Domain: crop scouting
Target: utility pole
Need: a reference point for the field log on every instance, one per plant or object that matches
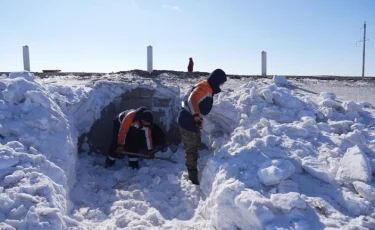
(364, 49)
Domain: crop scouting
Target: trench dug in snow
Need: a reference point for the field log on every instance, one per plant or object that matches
(121, 197)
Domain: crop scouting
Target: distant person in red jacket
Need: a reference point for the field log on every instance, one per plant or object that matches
(191, 65)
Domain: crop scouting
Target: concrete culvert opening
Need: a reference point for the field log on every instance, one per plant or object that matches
(164, 105)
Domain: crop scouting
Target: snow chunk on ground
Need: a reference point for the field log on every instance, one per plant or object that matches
(280, 80)
(317, 169)
(365, 190)
(287, 201)
(354, 166)
(287, 100)
(272, 172)
(7, 158)
(267, 95)
(254, 209)
(351, 106)
(24, 74)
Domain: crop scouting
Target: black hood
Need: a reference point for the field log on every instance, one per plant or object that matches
(216, 78)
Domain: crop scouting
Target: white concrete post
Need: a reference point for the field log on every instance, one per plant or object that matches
(149, 59)
(264, 64)
(26, 58)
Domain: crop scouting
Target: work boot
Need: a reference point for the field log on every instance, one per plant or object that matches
(109, 163)
(193, 176)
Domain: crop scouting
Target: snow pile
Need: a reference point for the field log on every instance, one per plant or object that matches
(278, 159)
(289, 148)
(37, 156)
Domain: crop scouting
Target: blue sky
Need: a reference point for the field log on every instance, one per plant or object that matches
(305, 37)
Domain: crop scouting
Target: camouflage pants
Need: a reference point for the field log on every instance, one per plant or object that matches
(191, 142)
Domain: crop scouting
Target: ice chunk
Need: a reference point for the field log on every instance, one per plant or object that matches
(351, 106)
(7, 159)
(328, 103)
(365, 190)
(356, 138)
(6, 203)
(38, 98)
(16, 176)
(24, 74)
(340, 127)
(173, 179)
(317, 169)
(280, 80)
(254, 208)
(354, 166)
(354, 204)
(272, 172)
(287, 201)
(287, 100)
(267, 95)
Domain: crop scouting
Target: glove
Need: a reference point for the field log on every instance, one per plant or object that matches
(198, 121)
(119, 151)
(151, 154)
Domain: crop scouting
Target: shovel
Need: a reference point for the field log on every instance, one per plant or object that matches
(146, 156)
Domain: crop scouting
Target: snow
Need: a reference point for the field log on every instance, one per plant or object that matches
(280, 80)
(277, 157)
(273, 172)
(354, 166)
(365, 190)
(287, 201)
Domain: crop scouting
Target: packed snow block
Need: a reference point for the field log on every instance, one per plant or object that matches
(254, 208)
(329, 103)
(354, 166)
(15, 92)
(272, 172)
(267, 95)
(7, 158)
(24, 74)
(354, 204)
(317, 169)
(287, 100)
(280, 80)
(351, 106)
(164, 105)
(356, 138)
(365, 190)
(287, 201)
(340, 127)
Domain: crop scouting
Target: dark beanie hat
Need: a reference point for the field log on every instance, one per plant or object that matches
(147, 116)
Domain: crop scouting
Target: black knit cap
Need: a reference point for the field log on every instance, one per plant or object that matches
(147, 116)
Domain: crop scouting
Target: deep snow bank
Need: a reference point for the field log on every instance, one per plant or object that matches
(292, 160)
(37, 155)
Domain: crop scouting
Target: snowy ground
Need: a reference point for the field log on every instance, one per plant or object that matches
(281, 156)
